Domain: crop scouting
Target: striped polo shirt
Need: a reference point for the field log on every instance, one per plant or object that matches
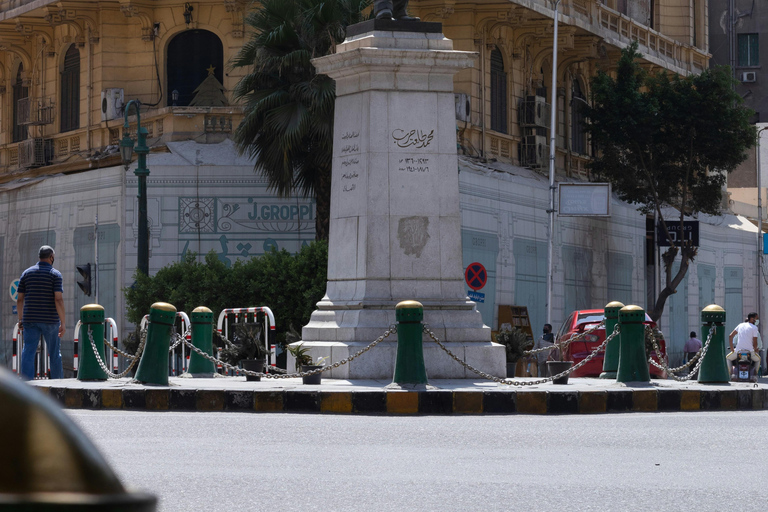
(38, 284)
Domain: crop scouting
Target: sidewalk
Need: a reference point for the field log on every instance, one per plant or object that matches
(579, 396)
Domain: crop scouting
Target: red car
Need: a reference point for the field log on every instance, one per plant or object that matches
(580, 321)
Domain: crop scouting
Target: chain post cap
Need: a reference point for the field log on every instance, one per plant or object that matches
(163, 306)
(201, 309)
(92, 307)
(409, 311)
(713, 313)
(611, 309)
(201, 315)
(631, 314)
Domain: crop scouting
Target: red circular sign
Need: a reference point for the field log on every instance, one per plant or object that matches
(476, 276)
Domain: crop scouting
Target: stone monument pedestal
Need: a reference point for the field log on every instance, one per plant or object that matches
(395, 227)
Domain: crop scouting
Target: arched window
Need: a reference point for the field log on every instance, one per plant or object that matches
(19, 92)
(578, 137)
(190, 55)
(498, 93)
(70, 91)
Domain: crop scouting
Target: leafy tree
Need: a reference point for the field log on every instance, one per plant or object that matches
(667, 140)
(288, 123)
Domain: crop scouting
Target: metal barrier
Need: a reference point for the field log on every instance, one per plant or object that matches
(186, 333)
(269, 327)
(42, 361)
(112, 325)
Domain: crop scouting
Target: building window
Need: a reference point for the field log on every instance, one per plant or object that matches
(748, 50)
(578, 138)
(19, 92)
(70, 91)
(498, 93)
(190, 55)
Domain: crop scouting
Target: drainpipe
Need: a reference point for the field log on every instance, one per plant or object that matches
(482, 113)
(88, 112)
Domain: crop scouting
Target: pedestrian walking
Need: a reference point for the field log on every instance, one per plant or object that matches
(691, 348)
(547, 339)
(40, 307)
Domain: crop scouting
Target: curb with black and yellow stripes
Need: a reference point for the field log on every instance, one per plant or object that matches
(412, 402)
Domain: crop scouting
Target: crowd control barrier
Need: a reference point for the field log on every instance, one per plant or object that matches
(42, 361)
(241, 316)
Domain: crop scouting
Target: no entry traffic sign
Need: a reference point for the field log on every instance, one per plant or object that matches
(476, 276)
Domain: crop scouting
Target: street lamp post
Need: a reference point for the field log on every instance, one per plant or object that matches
(141, 171)
(759, 226)
(551, 210)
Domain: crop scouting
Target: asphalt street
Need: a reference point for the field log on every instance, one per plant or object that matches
(294, 462)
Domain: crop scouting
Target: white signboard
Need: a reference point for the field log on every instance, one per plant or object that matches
(584, 199)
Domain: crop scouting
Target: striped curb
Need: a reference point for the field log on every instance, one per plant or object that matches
(413, 402)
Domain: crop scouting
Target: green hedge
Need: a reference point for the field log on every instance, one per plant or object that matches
(290, 285)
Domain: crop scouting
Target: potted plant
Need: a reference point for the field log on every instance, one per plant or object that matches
(304, 362)
(558, 361)
(515, 342)
(247, 350)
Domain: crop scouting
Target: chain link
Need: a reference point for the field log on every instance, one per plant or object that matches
(699, 354)
(565, 343)
(516, 382)
(392, 329)
(139, 351)
(143, 337)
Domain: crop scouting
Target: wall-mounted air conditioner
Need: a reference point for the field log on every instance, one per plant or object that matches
(534, 111)
(749, 76)
(111, 104)
(535, 151)
(35, 152)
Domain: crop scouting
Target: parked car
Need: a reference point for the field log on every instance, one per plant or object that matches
(583, 320)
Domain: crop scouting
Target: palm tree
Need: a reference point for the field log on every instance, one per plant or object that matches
(288, 124)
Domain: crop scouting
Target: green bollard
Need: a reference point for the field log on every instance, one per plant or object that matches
(409, 366)
(202, 332)
(611, 358)
(153, 367)
(714, 367)
(91, 317)
(633, 362)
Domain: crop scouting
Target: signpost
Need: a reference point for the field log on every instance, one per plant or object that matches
(476, 276)
(15, 290)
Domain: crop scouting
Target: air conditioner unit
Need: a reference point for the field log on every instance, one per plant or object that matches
(111, 104)
(534, 112)
(535, 151)
(35, 152)
(463, 107)
(749, 76)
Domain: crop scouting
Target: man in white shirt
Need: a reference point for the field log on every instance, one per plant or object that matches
(748, 334)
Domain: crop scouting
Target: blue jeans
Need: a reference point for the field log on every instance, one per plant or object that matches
(32, 332)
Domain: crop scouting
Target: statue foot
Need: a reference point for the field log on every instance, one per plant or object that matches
(384, 14)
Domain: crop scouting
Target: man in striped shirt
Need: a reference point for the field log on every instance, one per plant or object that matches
(41, 313)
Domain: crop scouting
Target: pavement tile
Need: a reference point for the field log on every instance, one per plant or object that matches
(182, 399)
(645, 400)
(499, 402)
(268, 401)
(238, 400)
(591, 402)
(690, 400)
(302, 401)
(765, 398)
(745, 399)
(467, 402)
(73, 398)
(209, 400)
(157, 399)
(559, 402)
(619, 401)
(402, 402)
(369, 401)
(669, 399)
(531, 402)
(757, 399)
(134, 399)
(112, 398)
(336, 401)
(435, 402)
(729, 400)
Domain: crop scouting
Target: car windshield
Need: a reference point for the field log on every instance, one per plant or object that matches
(590, 318)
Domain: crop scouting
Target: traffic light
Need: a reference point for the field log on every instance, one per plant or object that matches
(85, 284)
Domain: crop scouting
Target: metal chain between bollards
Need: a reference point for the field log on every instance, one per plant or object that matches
(565, 343)
(232, 344)
(139, 351)
(700, 355)
(143, 336)
(515, 382)
(179, 338)
(392, 329)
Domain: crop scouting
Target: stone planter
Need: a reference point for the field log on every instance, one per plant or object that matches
(253, 365)
(312, 379)
(555, 367)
